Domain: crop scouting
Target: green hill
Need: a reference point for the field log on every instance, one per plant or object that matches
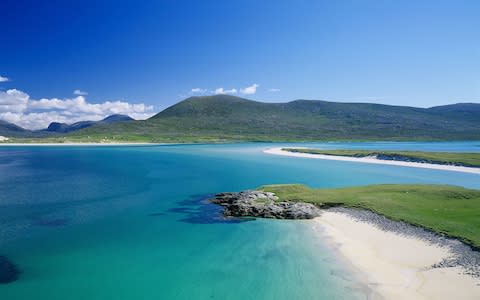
(223, 117)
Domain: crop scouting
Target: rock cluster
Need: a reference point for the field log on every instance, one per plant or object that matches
(252, 203)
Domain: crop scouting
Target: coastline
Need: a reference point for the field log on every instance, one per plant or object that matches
(81, 144)
(371, 160)
(398, 264)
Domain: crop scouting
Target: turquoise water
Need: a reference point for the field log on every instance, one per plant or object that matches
(130, 222)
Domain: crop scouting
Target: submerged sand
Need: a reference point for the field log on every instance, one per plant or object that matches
(396, 266)
(373, 160)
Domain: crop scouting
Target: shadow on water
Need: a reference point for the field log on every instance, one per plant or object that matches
(8, 271)
(198, 210)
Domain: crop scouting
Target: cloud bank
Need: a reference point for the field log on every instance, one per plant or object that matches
(17, 107)
(4, 79)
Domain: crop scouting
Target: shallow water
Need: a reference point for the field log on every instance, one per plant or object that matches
(130, 222)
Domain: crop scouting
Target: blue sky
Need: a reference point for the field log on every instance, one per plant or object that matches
(419, 53)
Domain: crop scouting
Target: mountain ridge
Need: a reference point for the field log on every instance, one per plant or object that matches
(226, 117)
(9, 129)
(65, 128)
(12, 130)
(230, 118)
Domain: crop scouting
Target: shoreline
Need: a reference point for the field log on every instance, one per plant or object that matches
(371, 160)
(397, 260)
(81, 144)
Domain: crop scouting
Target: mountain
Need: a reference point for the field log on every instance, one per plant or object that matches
(65, 128)
(9, 129)
(224, 117)
(116, 118)
(464, 111)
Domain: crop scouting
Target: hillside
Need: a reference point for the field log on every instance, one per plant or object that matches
(229, 118)
(55, 130)
(65, 128)
(8, 129)
(222, 117)
(11, 130)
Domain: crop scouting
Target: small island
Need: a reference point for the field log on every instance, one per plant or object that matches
(448, 210)
(410, 241)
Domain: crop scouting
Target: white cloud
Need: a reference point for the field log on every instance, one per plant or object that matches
(17, 107)
(80, 93)
(13, 100)
(198, 91)
(4, 79)
(274, 90)
(220, 91)
(250, 90)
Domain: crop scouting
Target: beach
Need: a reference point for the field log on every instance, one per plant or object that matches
(395, 265)
(373, 160)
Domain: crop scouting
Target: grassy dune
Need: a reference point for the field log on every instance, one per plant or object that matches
(450, 210)
(449, 158)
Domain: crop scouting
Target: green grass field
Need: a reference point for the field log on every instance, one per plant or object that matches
(450, 210)
(455, 158)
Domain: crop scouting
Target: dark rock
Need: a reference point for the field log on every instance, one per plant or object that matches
(8, 271)
(264, 205)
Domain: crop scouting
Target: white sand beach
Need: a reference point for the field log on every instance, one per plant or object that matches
(373, 160)
(395, 266)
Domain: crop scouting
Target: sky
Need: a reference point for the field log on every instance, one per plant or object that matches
(74, 60)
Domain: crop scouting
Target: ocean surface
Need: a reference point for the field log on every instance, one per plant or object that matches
(131, 222)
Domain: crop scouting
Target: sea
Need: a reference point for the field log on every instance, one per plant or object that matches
(133, 222)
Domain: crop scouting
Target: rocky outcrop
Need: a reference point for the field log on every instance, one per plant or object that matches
(264, 205)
